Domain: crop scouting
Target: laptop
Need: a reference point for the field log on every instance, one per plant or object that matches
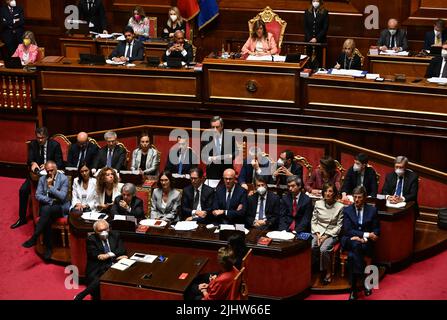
(153, 61)
(13, 63)
(172, 62)
(92, 59)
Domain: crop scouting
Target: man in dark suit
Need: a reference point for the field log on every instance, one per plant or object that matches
(286, 167)
(230, 202)
(111, 155)
(82, 152)
(438, 65)
(93, 12)
(104, 248)
(361, 228)
(130, 50)
(393, 38)
(197, 199)
(13, 22)
(183, 158)
(128, 204)
(40, 151)
(179, 48)
(360, 175)
(401, 185)
(296, 208)
(256, 165)
(437, 36)
(220, 149)
(263, 208)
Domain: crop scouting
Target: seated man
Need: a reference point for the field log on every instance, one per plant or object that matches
(128, 204)
(360, 175)
(401, 185)
(361, 228)
(183, 158)
(130, 50)
(254, 166)
(230, 202)
(83, 151)
(263, 208)
(287, 168)
(197, 199)
(40, 151)
(393, 38)
(111, 155)
(104, 248)
(52, 194)
(179, 48)
(296, 208)
(438, 65)
(435, 37)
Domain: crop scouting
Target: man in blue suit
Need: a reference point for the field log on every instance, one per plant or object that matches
(230, 202)
(256, 165)
(52, 191)
(130, 50)
(361, 228)
(263, 208)
(296, 207)
(437, 36)
(183, 158)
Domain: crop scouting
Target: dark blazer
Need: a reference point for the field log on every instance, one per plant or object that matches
(118, 158)
(316, 27)
(272, 211)
(178, 26)
(434, 68)
(296, 170)
(410, 188)
(191, 163)
(136, 208)
(206, 202)
(369, 181)
(303, 216)
(356, 63)
(89, 158)
(95, 267)
(54, 153)
(12, 32)
(216, 170)
(189, 53)
(233, 215)
(97, 15)
(246, 174)
(430, 39)
(400, 36)
(351, 227)
(137, 51)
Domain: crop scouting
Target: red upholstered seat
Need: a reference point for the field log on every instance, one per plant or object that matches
(145, 195)
(152, 27)
(275, 29)
(65, 144)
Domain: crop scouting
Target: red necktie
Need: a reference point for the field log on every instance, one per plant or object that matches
(294, 211)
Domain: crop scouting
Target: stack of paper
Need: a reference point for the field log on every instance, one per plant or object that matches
(372, 76)
(180, 176)
(437, 80)
(119, 217)
(153, 223)
(396, 205)
(186, 225)
(281, 235)
(141, 257)
(394, 53)
(123, 264)
(212, 182)
(345, 72)
(115, 63)
(94, 216)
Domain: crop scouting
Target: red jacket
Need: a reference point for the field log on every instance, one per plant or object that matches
(220, 288)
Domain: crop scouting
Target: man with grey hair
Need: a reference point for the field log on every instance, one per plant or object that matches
(179, 48)
(128, 203)
(104, 248)
(112, 155)
(393, 38)
(401, 185)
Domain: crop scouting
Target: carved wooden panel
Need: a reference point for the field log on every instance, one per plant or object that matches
(38, 10)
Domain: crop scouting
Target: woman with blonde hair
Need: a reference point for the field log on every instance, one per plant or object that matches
(347, 59)
(27, 51)
(175, 23)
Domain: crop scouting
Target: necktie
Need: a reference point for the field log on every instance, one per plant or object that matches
(228, 200)
(218, 147)
(106, 247)
(444, 71)
(109, 158)
(399, 187)
(261, 209)
(294, 212)
(393, 40)
(438, 40)
(129, 51)
(81, 157)
(42, 154)
(180, 164)
(196, 200)
(359, 217)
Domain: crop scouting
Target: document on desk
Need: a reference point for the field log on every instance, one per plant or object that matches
(437, 80)
(181, 176)
(119, 217)
(115, 63)
(269, 58)
(345, 72)
(186, 226)
(212, 183)
(123, 264)
(372, 76)
(94, 216)
(394, 53)
(396, 205)
(142, 257)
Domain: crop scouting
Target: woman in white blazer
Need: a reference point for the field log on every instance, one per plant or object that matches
(83, 194)
(166, 200)
(107, 189)
(145, 158)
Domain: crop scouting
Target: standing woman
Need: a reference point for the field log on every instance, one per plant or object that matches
(347, 59)
(13, 23)
(166, 199)
(84, 191)
(175, 22)
(145, 158)
(261, 42)
(316, 25)
(139, 23)
(27, 51)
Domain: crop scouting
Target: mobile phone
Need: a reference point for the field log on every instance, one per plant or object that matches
(417, 80)
(139, 255)
(162, 258)
(380, 79)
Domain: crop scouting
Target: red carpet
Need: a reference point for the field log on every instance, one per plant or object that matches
(26, 277)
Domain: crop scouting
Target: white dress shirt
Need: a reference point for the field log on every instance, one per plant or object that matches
(360, 217)
(444, 61)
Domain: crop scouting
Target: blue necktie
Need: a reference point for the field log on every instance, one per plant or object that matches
(180, 165)
(261, 209)
(228, 200)
(359, 217)
(106, 247)
(399, 187)
(109, 158)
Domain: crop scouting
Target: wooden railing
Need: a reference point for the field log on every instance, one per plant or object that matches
(16, 89)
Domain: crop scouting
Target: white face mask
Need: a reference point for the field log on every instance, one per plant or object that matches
(280, 162)
(315, 4)
(400, 172)
(104, 235)
(262, 190)
(392, 31)
(444, 53)
(173, 17)
(357, 167)
(13, 3)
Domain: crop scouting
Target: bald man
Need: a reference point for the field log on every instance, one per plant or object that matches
(393, 38)
(179, 48)
(230, 202)
(83, 151)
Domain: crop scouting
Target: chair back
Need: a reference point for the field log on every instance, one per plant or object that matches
(145, 194)
(237, 287)
(359, 54)
(152, 27)
(377, 174)
(246, 259)
(305, 164)
(64, 143)
(273, 23)
(41, 54)
(127, 164)
(341, 170)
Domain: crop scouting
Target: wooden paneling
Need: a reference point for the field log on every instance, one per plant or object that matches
(37, 10)
(410, 66)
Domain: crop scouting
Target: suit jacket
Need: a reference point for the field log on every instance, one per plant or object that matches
(206, 202)
(272, 211)
(95, 267)
(233, 216)
(90, 154)
(54, 153)
(137, 51)
(136, 208)
(96, 15)
(57, 194)
(220, 288)
(430, 39)
(216, 170)
(118, 158)
(303, 216)
(171, 212)
(11, 29)
(268, 44)
(167, 29)
(189, 162)
(246, 174)
(152, 161)
(189, 53)
(400, 37)
(369, 181)
(351, 226)
(316, 27)
(356, 63)
(296, 170)
(410, 188)
(434, 68)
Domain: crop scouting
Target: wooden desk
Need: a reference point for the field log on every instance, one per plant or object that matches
(164, 283)
(288, 263)
(410, 66)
